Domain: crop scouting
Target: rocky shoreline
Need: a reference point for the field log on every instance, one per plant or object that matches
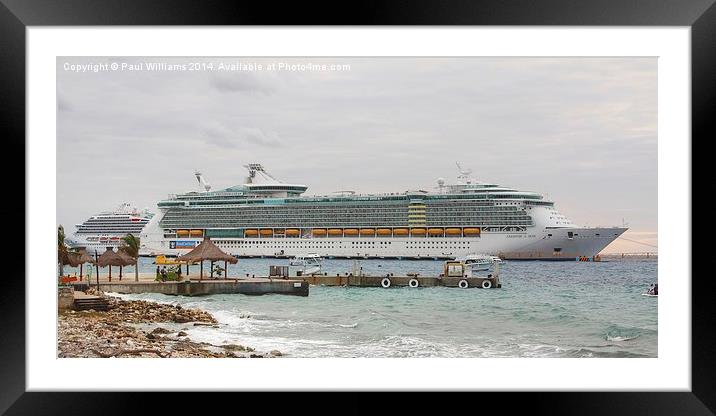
(133, 329)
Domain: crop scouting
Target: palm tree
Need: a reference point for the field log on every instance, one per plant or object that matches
(130, 247)
(61, 248)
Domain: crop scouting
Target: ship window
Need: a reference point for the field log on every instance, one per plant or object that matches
(557, 249)
(549, 235)
(570, 234)
(597, 234)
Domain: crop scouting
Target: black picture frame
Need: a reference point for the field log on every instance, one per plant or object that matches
(16, 15)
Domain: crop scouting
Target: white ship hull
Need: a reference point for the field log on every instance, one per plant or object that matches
(100, 243)
(549, 244)
(457, 221)
(106, 230)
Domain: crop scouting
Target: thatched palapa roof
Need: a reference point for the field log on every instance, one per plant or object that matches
(75, 258)
(111, 258)
(207, 251)
(126, 257)
(68, 258)
(84, 257)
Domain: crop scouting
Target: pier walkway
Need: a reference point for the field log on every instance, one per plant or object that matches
(194, 287)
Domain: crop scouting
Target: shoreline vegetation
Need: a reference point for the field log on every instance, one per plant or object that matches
(141, 329)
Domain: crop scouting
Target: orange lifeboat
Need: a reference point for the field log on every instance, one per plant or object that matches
(384, 231)
(196, 233)
(471, 231)
(453, 231)
(319, 231)
(417, 231)
(400, 231)
(266, 232)
(292, 232)
(435, 231)
(367, 231)
(350, 231)
(251, 233)
(335, 232)
(182, 233)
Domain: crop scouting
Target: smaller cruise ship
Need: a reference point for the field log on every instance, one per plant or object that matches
(107, 229)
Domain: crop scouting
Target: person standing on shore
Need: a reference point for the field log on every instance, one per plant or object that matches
(158, 272)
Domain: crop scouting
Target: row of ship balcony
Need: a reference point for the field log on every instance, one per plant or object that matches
(331, 232)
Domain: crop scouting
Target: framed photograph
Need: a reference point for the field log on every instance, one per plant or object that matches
(473, 197)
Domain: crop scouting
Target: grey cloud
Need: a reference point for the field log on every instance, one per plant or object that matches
(562, 126)
(244, 82)
(63, 104)
(229, 137)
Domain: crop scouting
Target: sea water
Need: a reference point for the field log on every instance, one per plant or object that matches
(544, 309)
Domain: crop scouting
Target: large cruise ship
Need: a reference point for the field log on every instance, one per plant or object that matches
(107, 229)
(267, 217)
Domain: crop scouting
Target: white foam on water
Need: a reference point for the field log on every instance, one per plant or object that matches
(620, 338)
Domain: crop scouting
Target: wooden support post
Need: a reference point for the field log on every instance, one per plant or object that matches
(97, 267)
(226, 270)
(201, 270)
(120, 273)
(110, 272)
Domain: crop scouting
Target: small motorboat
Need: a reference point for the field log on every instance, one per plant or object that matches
(306, 260)
(653, 291)
(480, 262)
(311, 263)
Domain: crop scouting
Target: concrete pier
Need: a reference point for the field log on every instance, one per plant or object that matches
(253, 286)
(401, 281)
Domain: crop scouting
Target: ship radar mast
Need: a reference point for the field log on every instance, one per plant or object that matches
(464, 176)
(202, 181)
(256, 169)
(441, 185)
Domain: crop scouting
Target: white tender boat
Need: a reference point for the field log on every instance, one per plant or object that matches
(311, 263)
(480, 262)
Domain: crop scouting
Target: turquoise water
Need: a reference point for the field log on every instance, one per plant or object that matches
(544, 309)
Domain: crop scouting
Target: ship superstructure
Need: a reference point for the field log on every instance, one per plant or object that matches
(267, 217)
(106, 229)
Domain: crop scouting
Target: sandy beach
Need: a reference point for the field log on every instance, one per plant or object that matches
(141, 329)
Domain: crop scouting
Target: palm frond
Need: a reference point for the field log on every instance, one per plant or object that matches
(130, 245)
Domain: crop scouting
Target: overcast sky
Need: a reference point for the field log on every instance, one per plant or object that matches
(583, 131)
